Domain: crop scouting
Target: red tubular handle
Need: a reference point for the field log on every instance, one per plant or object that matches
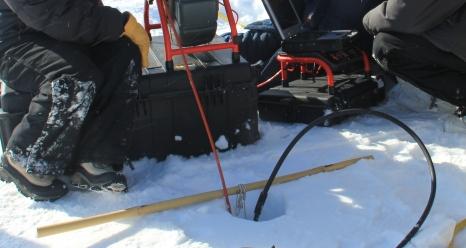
(287, 59)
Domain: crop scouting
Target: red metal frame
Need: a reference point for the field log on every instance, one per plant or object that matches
(147, 25)
(367, 65)
(170, 52)
(166, 20)
(286, 60)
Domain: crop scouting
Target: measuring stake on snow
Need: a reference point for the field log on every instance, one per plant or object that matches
(184, 201)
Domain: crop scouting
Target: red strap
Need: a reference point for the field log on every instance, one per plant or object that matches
(202, 113)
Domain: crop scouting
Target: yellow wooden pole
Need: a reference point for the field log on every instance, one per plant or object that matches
(458, 228)
(183, 201)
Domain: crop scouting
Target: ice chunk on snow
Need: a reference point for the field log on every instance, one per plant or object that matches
(221, 143)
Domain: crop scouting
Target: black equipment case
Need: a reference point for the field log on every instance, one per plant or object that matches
(323, 41)
(306, 100)
(167, 120)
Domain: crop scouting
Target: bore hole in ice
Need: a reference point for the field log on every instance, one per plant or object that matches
(274, 206)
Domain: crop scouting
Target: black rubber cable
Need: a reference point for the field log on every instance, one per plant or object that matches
(356, 112)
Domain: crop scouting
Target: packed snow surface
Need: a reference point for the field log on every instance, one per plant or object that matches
(371, 204)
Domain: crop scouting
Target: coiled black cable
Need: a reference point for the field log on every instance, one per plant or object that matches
(356, 112)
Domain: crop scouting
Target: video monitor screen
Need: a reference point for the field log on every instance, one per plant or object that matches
(285, 13)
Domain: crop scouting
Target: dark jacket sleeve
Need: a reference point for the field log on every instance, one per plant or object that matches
(81, 21)
(410, 16)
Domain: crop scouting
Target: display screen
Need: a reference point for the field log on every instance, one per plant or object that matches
(285, 13)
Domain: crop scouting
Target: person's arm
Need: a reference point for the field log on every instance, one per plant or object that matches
(81, 21)
(410, 16)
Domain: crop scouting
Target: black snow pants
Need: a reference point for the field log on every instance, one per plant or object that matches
(82, 101)
(416, 60)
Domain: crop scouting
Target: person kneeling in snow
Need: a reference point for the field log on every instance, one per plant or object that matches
(424, 43)
(81, 62)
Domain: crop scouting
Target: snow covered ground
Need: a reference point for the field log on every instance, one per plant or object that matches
(372, 204)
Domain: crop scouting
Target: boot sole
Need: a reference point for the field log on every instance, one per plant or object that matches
(37, 193)
(5, 176)
(113, 183)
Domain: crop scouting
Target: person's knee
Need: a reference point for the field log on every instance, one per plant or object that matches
(380, 45)
(88, 74)
(384, 46)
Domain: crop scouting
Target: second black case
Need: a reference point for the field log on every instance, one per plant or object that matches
(306, 100)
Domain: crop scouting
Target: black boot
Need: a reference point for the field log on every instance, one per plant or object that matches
(98, 177)
(38, 188)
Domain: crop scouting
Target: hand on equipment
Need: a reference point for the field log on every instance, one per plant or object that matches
(136, 33)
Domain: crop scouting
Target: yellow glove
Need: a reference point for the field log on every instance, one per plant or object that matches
(136, 33)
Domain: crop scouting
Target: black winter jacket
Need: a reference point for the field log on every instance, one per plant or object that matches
(442, 22)
(80, 21)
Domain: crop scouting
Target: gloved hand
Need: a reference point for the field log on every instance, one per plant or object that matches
(136, 33)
